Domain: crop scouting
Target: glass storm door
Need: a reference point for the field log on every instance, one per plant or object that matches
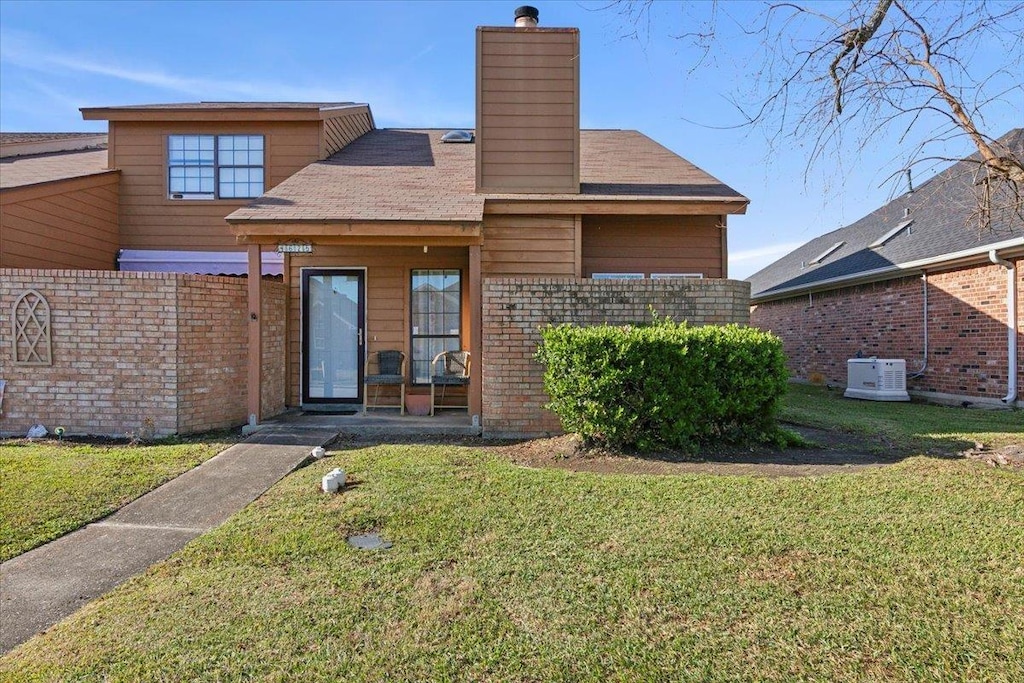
(332, 335)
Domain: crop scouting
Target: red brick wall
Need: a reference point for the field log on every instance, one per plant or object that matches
(144, 353)
(272, 388)
(967, 349)
(515, 309)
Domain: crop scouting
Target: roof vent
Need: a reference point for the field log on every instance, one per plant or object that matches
(461, 136)
(889, 235)
(526, 16)
(825, 254)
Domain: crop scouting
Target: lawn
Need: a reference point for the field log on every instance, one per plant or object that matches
(500, 572)
(48, 488)
(926, 428)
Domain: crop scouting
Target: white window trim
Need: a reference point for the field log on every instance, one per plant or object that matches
(217, 166)
(617, 276)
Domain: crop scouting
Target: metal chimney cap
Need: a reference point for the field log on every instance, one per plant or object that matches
(526, 17)
(526, 10)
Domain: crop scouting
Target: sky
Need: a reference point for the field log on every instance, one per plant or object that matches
(413, 62)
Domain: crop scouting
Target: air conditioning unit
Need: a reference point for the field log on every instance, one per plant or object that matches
(877, 379)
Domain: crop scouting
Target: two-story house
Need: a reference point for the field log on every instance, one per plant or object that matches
(388, 238)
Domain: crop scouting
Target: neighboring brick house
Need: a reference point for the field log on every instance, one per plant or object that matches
(918, 279)
(398, 239)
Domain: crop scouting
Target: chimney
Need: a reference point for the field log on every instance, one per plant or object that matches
(527, 107)
(526, 16)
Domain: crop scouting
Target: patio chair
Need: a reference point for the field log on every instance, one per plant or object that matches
(390, 372)
(453, 372)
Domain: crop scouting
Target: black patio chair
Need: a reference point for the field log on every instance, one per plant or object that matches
(390, 366)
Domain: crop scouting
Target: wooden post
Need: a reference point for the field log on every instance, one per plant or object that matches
(255, 332)
(476, 330)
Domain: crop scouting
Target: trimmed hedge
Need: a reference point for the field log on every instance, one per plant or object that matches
(664, 385)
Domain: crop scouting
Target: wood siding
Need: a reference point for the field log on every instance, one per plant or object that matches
(653, 244)
(520, 246)
(338, 131)
(150, 220)
(65, 224)
(388, 281)
(528, 110)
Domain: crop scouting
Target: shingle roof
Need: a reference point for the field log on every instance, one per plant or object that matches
(385, 175)
(43, 168)
(15, 138)
(945, 221)
(411, 175)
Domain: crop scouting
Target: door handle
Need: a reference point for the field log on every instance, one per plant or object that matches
(360, 336)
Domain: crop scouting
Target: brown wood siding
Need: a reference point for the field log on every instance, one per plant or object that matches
(388, 279)
(337, 132)
(150, 220)
(653, 244)
(66, 224)
(528, 245)
(527, 110)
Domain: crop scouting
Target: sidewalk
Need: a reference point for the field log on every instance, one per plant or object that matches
(42, 586)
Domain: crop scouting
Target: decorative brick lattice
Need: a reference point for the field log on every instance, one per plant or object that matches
(30, 330)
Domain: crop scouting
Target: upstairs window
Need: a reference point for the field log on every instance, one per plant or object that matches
(214, 166)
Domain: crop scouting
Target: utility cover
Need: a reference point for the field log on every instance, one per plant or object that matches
(371, 541)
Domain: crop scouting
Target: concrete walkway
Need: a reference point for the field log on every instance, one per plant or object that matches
(42, 586)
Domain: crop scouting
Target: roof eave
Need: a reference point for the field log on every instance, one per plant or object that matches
(1012, 248)
(626, 204)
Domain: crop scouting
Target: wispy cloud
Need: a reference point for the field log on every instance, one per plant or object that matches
(392, 105)
(746, 262)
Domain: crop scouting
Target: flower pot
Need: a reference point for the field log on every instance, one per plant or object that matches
(417, 404)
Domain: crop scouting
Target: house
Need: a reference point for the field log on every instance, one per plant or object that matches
(423, 240)
(919, 279)
(58, 201)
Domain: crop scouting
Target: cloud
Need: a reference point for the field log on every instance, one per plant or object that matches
(392, 104)
(746, 262)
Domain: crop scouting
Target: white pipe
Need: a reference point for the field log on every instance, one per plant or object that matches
(1011, 324)
(924, 361)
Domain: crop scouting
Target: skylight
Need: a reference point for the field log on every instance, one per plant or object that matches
(463, 136)
(889, 235)
(825, 254)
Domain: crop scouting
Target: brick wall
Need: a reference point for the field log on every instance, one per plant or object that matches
(967, 350)
(515, 309)
(146, 353)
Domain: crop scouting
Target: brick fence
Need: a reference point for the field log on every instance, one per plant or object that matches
(967, 350)
(515, 309)
(144, 353)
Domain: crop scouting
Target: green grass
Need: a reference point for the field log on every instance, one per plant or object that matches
(908, 572)
(48, 488)
(920, 427)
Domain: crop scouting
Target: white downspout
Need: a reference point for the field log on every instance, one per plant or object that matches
(924, 360)
(1011, 324)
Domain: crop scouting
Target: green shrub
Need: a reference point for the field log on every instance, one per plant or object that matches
(664, 385)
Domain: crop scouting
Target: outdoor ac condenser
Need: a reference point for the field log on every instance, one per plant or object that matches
(877, 379)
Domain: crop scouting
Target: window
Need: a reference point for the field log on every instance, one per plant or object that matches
(617, 276)
(214, 166)
(436, 318)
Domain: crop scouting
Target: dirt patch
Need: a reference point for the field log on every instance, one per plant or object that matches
(830, 453)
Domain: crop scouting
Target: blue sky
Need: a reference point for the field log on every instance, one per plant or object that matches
(414, 63)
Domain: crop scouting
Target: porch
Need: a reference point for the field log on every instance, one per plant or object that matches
(375, 423)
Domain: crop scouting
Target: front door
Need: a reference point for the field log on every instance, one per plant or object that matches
(333, 314)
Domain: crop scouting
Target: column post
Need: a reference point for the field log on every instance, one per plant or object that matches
(255, 374)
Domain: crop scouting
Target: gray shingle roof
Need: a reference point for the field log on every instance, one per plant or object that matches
(944, 211)
(411, 175)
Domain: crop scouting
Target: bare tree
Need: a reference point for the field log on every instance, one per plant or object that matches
(829, 69)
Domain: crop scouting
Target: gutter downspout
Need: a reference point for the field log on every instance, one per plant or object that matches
(1011, 324)
(924, 361)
